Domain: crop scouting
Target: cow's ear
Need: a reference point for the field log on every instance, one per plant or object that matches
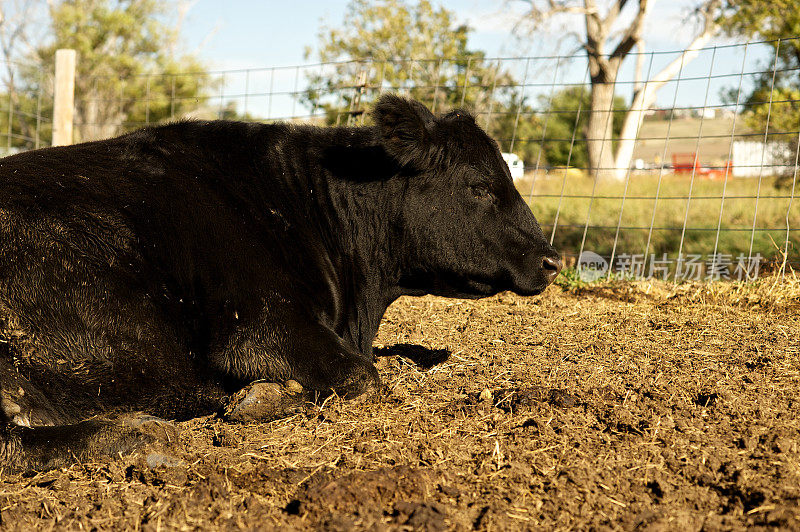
(405, 128)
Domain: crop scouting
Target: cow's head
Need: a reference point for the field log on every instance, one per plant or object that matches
(466, 229)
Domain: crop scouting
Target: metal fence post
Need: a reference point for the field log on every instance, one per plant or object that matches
(64, 97)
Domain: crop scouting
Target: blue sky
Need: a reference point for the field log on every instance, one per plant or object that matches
(240, 34)
(252, 33)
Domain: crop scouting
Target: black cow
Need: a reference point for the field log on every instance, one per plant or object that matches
(163, 270)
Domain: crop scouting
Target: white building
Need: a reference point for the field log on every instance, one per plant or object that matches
(748, 158)
(515, 164)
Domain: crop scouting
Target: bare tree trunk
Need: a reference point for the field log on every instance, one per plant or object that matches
(603, 71)
(604, 66)
(599, 130)
(600, 125)
(645, 97)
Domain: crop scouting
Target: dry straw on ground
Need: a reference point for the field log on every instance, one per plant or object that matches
(615, 406)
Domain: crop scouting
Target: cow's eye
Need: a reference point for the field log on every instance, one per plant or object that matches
(482, 192)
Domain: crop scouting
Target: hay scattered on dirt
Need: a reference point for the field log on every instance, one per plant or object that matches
(613, 406)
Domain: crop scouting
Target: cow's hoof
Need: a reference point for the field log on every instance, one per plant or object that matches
(158, 428)
(265, 401)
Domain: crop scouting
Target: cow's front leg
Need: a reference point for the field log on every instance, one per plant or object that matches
(293, 364)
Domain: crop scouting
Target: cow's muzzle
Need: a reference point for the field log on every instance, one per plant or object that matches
(551, 266)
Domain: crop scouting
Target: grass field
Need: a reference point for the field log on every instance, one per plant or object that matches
(615, 406)
(702, 214)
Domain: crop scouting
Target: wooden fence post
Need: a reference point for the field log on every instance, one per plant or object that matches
(64, 97)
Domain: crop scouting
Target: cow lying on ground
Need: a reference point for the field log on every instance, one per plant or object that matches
(167, 269)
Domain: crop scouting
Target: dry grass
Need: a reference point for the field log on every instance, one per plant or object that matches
(610, 406)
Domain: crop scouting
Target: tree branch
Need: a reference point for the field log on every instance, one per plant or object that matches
(634, 31)
(710, 28)
(640, 58)
(614, 11)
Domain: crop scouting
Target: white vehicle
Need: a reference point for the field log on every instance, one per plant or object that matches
(515, 164)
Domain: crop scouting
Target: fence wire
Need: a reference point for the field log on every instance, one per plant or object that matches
(708, 192)
(25, 107)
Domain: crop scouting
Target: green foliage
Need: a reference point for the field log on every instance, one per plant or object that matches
(19, 128)
(393, 29)
(570, 280)
(777, 21)
(568, 106)
(766, 20)
(558, 116)
(413, 48)
(421, 50)
(126, 68)
(508, 116)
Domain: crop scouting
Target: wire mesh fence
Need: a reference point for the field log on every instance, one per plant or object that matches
(705, 187)
(25, 107)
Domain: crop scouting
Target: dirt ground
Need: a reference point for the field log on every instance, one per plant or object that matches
(619, 406)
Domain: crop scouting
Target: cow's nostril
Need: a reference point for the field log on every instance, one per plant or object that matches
(551, 266)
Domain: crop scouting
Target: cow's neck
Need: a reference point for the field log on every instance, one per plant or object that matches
(363, 261)
(366, 274)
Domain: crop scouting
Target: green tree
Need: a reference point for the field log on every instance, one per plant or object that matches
(21, 123)
(127, 70)
(516, 126)
(19, 104)
(396, 45)
(768, 20)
